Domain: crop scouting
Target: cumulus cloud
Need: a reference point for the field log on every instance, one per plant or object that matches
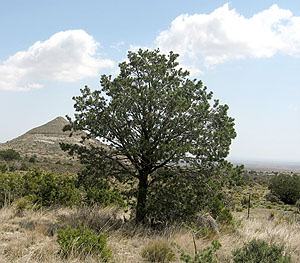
(66, 56)
(225, 34)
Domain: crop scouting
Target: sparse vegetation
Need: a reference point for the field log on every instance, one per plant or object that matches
(82, 242)
(33, 237)
(207, 255)
(3, 167)
(158, 251)
(259, 251)
(33, 159)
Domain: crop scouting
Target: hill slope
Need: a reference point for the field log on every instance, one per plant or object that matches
(43, 141)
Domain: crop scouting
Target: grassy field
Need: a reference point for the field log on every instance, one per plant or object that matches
(30, 236)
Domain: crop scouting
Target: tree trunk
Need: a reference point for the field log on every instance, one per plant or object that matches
(142, 197)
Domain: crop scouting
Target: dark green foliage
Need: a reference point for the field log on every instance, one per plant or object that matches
(158, 251)
(83, 242)
(179, 194)
(259, 251)
(298, 205)
(11, 187)
(3, 167)
(286, 187)
(208, 255)
(46, 188)
(33, 159)
(225, 216)
(151, 115)
(235, 175)
(24, 166)
(9, 155)
(97, 189)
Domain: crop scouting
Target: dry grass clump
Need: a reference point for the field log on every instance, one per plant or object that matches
(95, 218)
(158, 251)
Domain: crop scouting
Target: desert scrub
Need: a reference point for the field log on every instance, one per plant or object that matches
(158, 251)
(259, 251)
(21, 205)
(298, 205)
(3, 167)
(48, 188)
(208, 255)
(82, 242)
(286, 187)
(11, 187)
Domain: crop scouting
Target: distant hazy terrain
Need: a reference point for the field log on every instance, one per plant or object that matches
(269, 166)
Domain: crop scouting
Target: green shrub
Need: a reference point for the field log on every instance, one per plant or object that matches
(208, 255)
(48, 189)
(43, 188)
(225, 216)
(82, 242)
(259, 251)
(179, 195)
(9, 155)
(3, 167)
(24, 166)
(11, 187)
(298, 205)
(158, 251)
(286, 187)
(98, 190)
(33, 159)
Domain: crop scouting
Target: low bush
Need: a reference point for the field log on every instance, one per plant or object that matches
(33, 159)
(82, 242)
(3, 167)
(48, 189)
(11, 187)
(96, 218)
(272, 198)
(298, 205)
(286, 187)
(208, 255)
(9, 155)
(158, 251)
(259, 251)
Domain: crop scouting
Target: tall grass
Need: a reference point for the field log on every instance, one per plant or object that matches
(32, 237)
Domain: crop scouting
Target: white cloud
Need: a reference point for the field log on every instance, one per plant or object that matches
(224, 34)
(118, 46)
(66, 56)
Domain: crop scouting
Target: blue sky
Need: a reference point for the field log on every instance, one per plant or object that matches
(246, 52)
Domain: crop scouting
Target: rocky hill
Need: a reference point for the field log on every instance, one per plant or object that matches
(43, 141)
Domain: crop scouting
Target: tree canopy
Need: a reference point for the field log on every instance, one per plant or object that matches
(150, 116)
